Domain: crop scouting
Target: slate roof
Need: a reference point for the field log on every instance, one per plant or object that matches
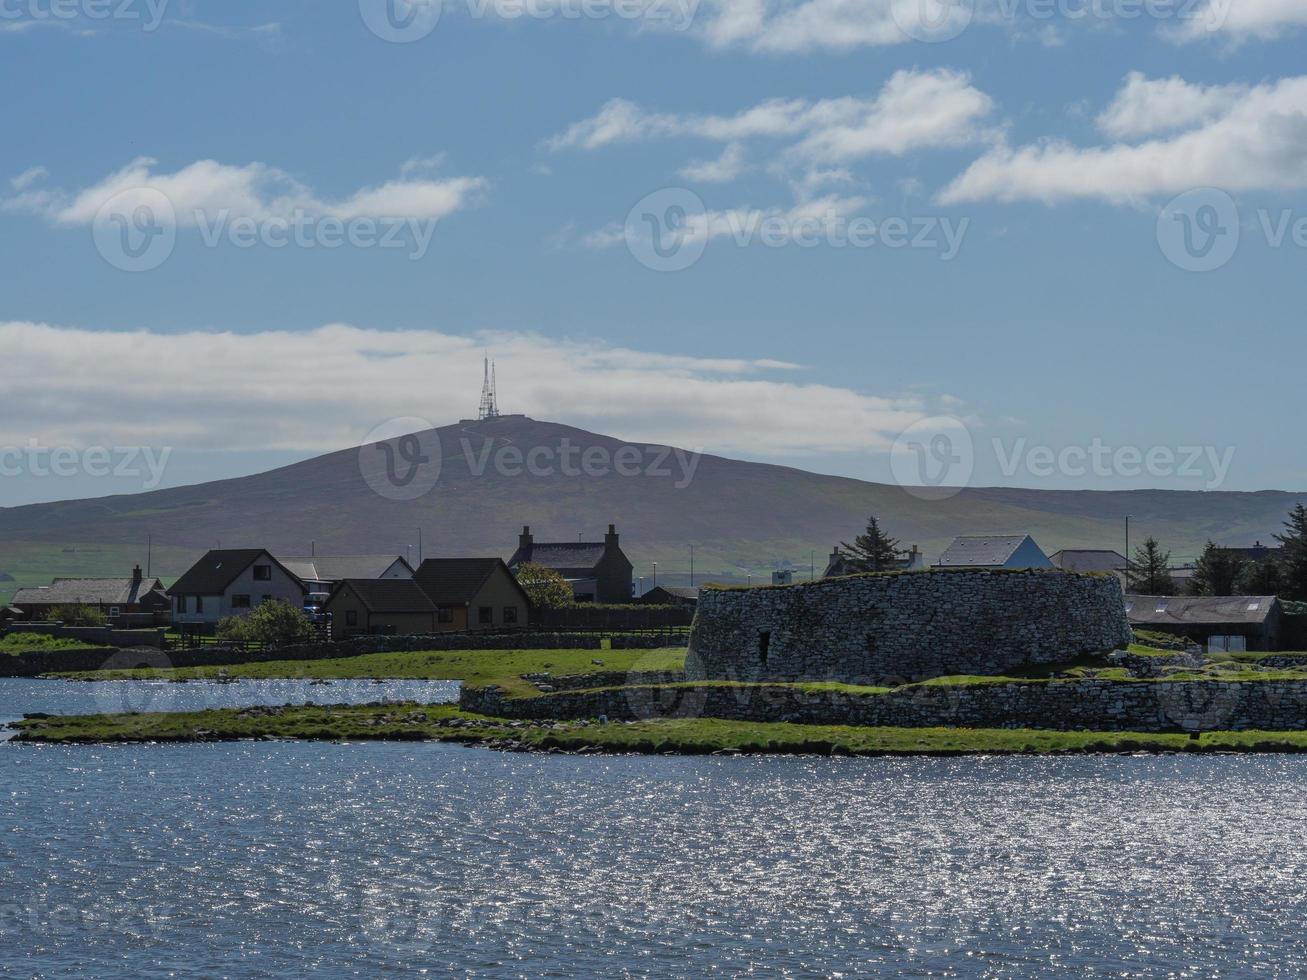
(213, 573)
(1088, 560)
(994, 549)
(87, 591)
(388, 595)
(456, 581)
(661, 593)
(1183, 610)
(560, 555)
(336, 568)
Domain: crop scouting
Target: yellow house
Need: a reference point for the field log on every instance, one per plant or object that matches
(379, 607)
(474, 594)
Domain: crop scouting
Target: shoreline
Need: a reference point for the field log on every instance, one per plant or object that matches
(412, 722)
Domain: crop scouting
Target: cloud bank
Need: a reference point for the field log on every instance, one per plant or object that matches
(325, 389)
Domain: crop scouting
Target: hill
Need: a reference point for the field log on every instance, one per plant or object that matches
(471, 486)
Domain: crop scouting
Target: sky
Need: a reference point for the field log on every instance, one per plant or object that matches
(1042, 243)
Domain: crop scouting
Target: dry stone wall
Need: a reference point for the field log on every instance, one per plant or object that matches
(904, 626)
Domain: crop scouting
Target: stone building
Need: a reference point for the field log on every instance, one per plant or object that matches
(873, 628)
(597, 571)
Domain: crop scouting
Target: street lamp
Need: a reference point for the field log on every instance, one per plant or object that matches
(655, 575)
(1127, 550)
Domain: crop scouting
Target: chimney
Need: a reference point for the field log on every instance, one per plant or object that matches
(136, 575)
(610, 539)
(524, 540)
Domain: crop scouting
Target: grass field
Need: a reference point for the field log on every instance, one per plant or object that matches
(16, 643)
(479, 667)
(682, 736)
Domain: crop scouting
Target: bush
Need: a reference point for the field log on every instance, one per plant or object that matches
(78, 615)
(231, 630)
(272, 622)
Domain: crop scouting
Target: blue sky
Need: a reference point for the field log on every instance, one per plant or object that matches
(1048, 145)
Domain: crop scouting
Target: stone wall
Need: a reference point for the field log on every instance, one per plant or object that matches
(904, 626)
(1094, 705)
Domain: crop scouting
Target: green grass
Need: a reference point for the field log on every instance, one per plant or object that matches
(16, 643)
(477, 667)
(688, 736)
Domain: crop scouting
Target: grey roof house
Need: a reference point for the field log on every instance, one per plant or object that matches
(993, 551)
(320, 573)
(597, 571)
(113, 596)
(1242, 622)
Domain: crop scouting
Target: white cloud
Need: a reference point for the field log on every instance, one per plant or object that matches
(324, 389)
(1148, 106)
(724, 169)
(823, 217)
(794, 26)
(1253, 139)
(1242, 19)
(913, 110)
(28, 177)
(206, 189)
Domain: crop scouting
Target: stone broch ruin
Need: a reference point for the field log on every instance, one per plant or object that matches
(875, 628)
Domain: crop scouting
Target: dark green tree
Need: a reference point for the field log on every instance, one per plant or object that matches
(873, 550)
(544, 586)
(1261, 578)
(1293, 558)
(1216, 572)
(1150, 572)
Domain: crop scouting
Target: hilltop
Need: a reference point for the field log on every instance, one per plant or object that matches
(492, 477)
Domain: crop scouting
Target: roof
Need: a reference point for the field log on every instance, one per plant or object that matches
(387, 595)
(334, 568)
(456, 581)
(561, 554)
(213, 573)
(1181, 610)
(671, 592)
(982, 550)
(88, 591)
(1088, 560)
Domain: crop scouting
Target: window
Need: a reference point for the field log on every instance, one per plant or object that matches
(486, 615)
(263, 573)
(181, 603)
(114, 612)
(240, 602)
(199, 603)
(351, 617)
(510, 615)
(1254, 606)
(444, 615)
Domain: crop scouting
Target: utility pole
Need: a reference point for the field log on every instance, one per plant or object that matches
(1127, 553)
(692, 566)
(149, 553)
(419, 546)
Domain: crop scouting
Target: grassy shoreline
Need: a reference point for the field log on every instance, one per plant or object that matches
(445, 723)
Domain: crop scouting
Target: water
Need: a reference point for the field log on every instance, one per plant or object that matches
(22, 696)
(291, 859)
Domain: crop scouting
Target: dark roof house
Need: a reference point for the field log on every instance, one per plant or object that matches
(371, 606)
(327, 570)
(598, 571)
(1088, 560)
(670, 595)
(838, 565)
(1210, 620)
(231, 582)
(994, 551)
(474, 593)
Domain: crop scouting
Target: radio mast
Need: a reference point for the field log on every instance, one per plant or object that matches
(489, 394)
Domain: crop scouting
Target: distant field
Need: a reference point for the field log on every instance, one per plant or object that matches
(34, 564)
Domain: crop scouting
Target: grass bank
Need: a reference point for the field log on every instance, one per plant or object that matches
(411, 722)
(16, 644)
(479, 667)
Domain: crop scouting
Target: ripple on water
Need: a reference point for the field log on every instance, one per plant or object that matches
(275, 859)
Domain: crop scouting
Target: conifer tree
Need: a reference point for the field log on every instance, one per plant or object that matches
(1150, 572)
(872, 550)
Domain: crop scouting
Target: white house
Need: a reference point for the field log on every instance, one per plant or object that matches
(231, 583)
(321, 573)
(994, 551)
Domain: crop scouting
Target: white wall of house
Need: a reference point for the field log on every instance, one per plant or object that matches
(279, 585)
